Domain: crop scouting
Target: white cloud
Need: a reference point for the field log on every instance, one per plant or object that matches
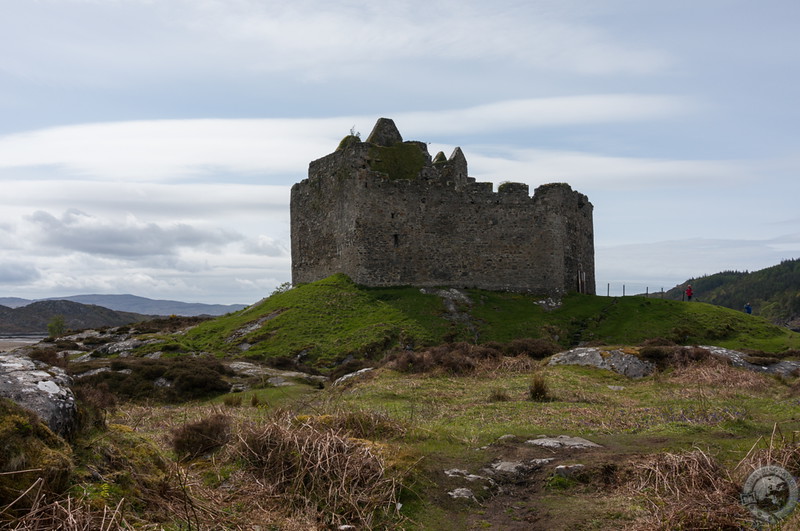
(80, 232)
(582, 170)
(113, 43)
(182, 149)
(545, 112)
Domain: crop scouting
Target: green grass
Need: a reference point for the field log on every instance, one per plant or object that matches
(724, 413)
(324, 322)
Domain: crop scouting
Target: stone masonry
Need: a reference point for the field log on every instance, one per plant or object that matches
(386, 214)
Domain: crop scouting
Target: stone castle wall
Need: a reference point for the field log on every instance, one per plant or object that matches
(386, 214)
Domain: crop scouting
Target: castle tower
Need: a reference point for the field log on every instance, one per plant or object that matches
(386, 214)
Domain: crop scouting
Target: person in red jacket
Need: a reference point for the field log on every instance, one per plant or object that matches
(689, 292)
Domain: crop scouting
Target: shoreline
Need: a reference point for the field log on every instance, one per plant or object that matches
(11, 342)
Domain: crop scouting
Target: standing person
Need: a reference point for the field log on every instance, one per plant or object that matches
(689, 292)
(747, 308)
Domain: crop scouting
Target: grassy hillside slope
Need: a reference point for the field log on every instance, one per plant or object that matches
(774, 292)
(326, 322)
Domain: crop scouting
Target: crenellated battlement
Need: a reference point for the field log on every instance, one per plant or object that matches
(385, 212)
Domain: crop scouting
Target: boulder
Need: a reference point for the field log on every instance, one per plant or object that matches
(562, 441)
(612, 360)
(40, 388)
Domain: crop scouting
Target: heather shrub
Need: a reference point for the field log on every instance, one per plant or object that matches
(95, 402)
(657, 342)
(683, 356)
(659, 355)
(535, 348)
(198, 438)
(171, 379)
(49, 356)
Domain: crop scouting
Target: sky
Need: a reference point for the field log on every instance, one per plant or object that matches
(149, 146)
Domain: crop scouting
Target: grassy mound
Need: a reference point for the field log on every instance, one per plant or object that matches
(321, 324)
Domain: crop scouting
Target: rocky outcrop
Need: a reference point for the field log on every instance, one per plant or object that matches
(739, 359)
(613, 360)
(40, 388)
(631, 365)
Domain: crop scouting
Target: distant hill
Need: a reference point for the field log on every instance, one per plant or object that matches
(133, 303)
(34, 318)
(774, 292)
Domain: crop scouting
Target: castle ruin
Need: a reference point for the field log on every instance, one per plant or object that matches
(386, 214)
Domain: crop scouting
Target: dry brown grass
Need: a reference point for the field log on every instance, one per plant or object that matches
(691, 490)
(779, 449)
(720, 375)
(69, 514)
(688, 490)
(339, 479)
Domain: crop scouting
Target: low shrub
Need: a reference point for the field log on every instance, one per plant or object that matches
(665, 357)
(201, 437)
(498, 395)
(683, 356)
(49, 356)
(538, 390)
(340, 479)
(535, 348)
(659, 355)
(233, 400)
(359, 423)
(168, 379)
(657, 342)
(95, 402)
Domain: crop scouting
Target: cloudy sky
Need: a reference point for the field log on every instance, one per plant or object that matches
(148, 146)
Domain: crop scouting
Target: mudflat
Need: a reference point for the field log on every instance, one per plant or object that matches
(10, 343)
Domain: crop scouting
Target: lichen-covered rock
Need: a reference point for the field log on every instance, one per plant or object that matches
(41, 388)
(612, 360)
(562, 441)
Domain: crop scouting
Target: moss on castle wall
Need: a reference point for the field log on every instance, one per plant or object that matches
(401, 161)
(347, 141)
